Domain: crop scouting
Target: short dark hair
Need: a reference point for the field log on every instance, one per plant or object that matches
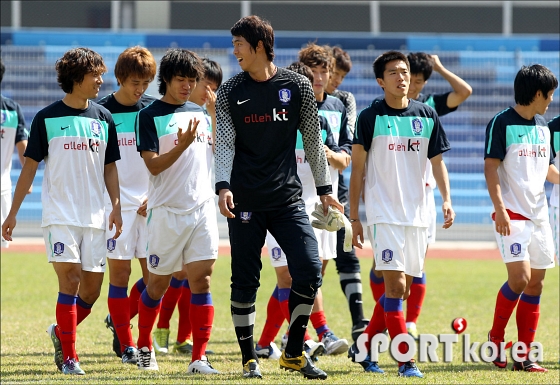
(254, 29)
(341, 59)
(2, 69)
(531, 79)
(301, 69)
(135, 61)
(314, 55)
(212, 71)
(178, 62)
(421, 63)
(382, 60)
(75, 64)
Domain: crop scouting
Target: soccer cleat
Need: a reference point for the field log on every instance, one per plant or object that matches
(201, 366)
(251, 369)
(161, 340)
(367, 364)
(409, 369)
(302, 364)
(116, 343)
(147, 359)
(528, 366)
(359, 328)
(412, 331)
(314, 349)
(184, 347)
(497, 362)
(58, 357)
(71, 366)
(333, 344)
(130, 355)
(271, 351)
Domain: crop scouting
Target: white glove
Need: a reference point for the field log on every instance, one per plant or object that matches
(333, 221)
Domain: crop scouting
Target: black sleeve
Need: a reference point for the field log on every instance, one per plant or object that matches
(112, 152)
(495, 140)
(438, 140)
(146, 133)
(38, 145)
(21, 132)
(345, 137)
(364, 129)
(440, 104)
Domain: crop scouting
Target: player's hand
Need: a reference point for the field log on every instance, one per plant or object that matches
(502, 222)
(8, 227)
(184, 139)
(357, 234)
(115, 218)
(225, 203)
(210, 101)
(328, 200)
(143, 209)
(437, 63)
(30, 189)
(448, 215)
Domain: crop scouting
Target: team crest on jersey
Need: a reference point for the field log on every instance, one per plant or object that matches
(540, 133)
(276, 253)
(417, 126)
(4, 117)
(245, 216)
(111, 243)
(334, 121)
(387, 255)
(58, 248)
(285, 95)
(154, 260)
(95, 128)
(515, 249)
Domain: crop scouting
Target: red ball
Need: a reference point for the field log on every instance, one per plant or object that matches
(459, 325)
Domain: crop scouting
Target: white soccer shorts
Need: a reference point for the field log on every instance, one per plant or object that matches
(133, 240)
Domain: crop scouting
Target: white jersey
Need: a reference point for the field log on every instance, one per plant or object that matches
(554, 126)
(398, 143)
(523, 146)
(76, 145)
(133, 174)
(12, 128)
(185, 185)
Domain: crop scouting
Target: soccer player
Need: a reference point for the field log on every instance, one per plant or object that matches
(518, 158)
(347, 263)
(259, 111)
(179, 293)
(393, 139)
(554, 126)
(77, 139)
(135, 69)
(13, 131)
(277, 309)
(172, 137)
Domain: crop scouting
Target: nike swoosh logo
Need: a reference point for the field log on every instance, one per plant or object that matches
(171, 125)
(245, 338)
(238, 102)
(118, 124)
(102, 264)
(300, 208)
(64, 128)
(522, 135)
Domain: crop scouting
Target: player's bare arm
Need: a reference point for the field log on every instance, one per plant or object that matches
(359, 156)
(502, 221)
(157, 163)
(111, 176)
(21, 146)
(461, 89)
(553, 175)
(23, 185)
(442, 179)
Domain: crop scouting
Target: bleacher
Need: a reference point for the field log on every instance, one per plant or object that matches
(30, 79)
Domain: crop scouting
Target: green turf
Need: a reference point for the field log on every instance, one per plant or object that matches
(455, 289)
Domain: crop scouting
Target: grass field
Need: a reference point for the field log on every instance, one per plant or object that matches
(456, 288)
